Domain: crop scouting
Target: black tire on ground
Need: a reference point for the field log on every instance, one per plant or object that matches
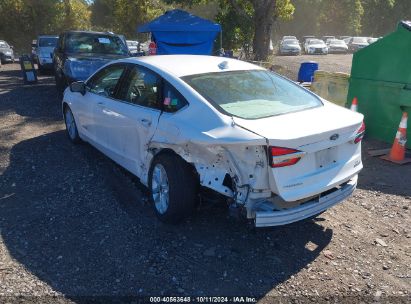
(183, 185)
(61, 83)
(71, 126)
(40, 69)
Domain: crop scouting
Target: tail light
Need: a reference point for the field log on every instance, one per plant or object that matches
(283, 157)
(360, 133)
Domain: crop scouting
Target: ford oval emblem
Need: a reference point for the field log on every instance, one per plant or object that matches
(334, 137)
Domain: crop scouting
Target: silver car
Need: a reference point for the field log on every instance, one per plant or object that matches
(43, 51)
(290, 47)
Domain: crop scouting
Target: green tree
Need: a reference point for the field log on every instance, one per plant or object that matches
(21, 21)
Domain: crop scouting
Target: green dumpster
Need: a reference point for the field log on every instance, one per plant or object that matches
(381, 80)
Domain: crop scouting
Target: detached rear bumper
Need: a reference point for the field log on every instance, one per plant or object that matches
(308, 209)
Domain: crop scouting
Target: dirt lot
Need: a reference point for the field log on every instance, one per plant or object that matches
(73, 225)
(289, 65)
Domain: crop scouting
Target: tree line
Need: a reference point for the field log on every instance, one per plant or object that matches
(244, 21)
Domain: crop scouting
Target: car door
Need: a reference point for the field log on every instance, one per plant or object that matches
(131, 118)
(92, 112)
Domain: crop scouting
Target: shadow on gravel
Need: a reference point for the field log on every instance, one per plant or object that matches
(382, 176)
(77, 222)
(35, 102)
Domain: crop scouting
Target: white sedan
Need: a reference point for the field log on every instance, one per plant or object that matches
(183, 123)
(316, 46)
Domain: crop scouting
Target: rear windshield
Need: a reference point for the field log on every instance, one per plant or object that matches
(95, 43)
(49, 41)
(252, 94)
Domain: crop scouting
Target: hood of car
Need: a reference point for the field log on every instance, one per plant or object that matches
(338, 46)
(80, 67)
(291, 46)
(317, 45)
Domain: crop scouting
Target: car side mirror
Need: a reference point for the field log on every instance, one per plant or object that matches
(78, 87)
(12, 47)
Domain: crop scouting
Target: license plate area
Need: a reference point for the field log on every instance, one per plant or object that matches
(326, 157)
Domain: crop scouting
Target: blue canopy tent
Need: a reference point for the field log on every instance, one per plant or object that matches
(179, 32)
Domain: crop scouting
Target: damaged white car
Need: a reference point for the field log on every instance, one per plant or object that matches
(180, 123)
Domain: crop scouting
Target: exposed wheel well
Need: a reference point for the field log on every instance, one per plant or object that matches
(169, 151)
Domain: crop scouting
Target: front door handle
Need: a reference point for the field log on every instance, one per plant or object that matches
(100, 104)
(145, 122)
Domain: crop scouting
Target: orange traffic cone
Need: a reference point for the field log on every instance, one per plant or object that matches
(397, 153)
(354, 104)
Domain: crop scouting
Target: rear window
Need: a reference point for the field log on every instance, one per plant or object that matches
(252, 94)
(49, 41)
(95, 43)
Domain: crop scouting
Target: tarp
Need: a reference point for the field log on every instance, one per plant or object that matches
(179, 32)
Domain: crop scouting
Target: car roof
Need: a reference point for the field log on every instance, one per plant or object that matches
(47, 36)
(91, 32)
(184, 65)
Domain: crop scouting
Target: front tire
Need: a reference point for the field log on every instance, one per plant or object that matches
(61, 83)
(173, 186)
(71, 126)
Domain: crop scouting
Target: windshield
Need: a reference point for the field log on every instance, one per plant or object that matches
(49, 41)
(290, 42)
(315, 41)
(3, 44)
(252, 94)
(95, 43)
(360, 40)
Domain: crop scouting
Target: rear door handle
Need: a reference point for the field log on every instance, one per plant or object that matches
(145, 122)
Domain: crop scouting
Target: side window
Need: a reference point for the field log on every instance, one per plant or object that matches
(105, 82)
(172, 99)
(142, 88)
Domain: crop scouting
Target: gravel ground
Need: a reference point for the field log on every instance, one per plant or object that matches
(289, 65)
(73, 225)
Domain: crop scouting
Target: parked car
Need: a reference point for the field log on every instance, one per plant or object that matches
(337, 46)
(288, 38)
(316, 46)
(43, 51)
(325, 38)
(132, 47)
(290, 47)
(356, 43)
(6, 52)
(305, 38)
(371, 40)
(80, 53)
(181, 122)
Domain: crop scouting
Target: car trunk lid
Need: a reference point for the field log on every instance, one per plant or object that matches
(323, 139)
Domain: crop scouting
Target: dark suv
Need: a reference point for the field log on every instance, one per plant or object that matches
(79, 54)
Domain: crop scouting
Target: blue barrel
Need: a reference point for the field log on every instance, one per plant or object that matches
(306, 72)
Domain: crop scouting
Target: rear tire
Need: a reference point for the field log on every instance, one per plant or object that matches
(173, 186)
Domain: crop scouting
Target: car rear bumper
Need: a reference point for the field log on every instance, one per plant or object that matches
(7, 58)
(308, 209)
